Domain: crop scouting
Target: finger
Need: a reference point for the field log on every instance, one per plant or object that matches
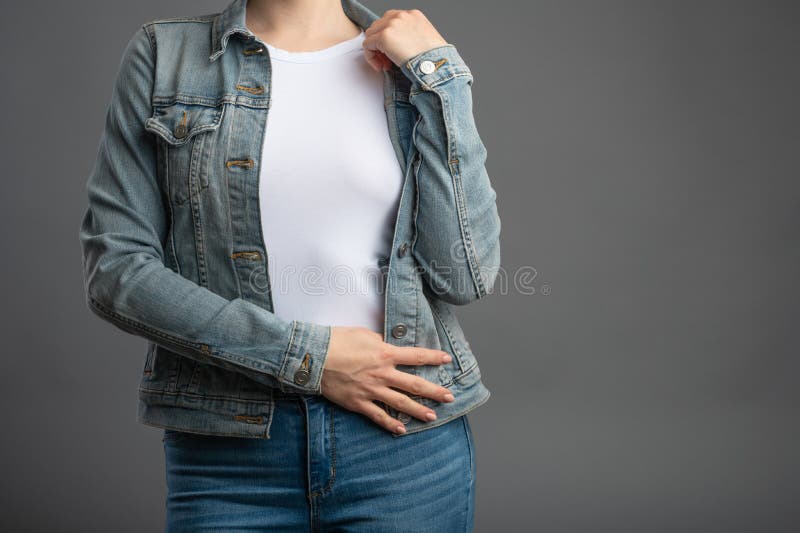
(375, 62)
(377, 45)
(383, 62)
(415, 355)
(403, 403)
(373, 43)
(381, 22)
(380, 417)
(419, 386)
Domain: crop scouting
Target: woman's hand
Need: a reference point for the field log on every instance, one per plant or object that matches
(360, 368)
(398, 36)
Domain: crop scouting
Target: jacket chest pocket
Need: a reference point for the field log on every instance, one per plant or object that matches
(188, 132)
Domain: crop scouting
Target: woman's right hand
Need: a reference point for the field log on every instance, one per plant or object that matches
(360, 368)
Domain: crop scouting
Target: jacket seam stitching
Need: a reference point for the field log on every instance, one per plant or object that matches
(287, 354)
(195, 167)
(452, 155)
(450, 339)
(182, 19)
(229, 221)
(147, 27)
(166, 336)
(164, 147)
(423, 87)
(159, 392)
(244, 362)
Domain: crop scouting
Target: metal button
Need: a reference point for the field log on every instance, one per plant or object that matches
(402, 250)
(427, 66)
(403, 417)
(399, 331)
(180, 131)
(301, 377)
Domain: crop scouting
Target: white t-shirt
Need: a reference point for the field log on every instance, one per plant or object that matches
(329, 186)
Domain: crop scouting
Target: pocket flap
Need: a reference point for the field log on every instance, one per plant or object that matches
(179, 122)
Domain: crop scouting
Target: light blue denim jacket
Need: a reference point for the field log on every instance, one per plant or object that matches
(172, 244)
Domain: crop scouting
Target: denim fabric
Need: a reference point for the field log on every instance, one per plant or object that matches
(172, 244)
(328, 469)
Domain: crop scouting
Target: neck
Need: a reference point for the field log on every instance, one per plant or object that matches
(300, 25)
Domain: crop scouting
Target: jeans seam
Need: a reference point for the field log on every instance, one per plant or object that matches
(327, 488)
(471, 449)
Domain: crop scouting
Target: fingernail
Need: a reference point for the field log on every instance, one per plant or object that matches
(400, 429)
(431, 416)
(449, 397)
(446, 358)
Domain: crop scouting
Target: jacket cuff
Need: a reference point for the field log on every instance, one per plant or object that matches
(433, 67)
(305, 357)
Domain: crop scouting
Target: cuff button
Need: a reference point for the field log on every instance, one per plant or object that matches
(427, 66)
(301, 377)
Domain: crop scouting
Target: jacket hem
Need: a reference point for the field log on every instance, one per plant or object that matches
(469, 394)
(230, 417)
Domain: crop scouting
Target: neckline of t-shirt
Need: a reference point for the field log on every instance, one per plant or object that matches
(314, 56)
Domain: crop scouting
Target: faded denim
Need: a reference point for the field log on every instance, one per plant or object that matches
(328, 469)
(172, 243)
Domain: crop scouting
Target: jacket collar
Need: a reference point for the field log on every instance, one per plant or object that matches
(232, 20)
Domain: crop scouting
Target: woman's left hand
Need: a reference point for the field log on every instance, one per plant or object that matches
(398, 36)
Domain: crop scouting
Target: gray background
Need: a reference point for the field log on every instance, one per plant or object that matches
(645, 156)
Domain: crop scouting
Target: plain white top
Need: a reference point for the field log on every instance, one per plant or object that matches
(329, 186)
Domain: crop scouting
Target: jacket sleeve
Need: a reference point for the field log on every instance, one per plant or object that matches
(122, 236)
(457, 243)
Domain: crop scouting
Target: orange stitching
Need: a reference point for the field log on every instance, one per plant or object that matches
(246, 255)
(251, 90)
(247, 163)
(249, 419)
(440, 62)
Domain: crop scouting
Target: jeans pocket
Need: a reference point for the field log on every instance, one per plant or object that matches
(471, 444)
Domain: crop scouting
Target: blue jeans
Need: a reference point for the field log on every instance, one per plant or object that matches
(324, 469)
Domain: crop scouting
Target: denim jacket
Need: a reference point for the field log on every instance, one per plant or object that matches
(172, 244)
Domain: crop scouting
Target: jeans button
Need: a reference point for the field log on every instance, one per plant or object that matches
(403, 417)
(399, 331)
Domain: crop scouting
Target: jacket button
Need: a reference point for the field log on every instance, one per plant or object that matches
(427, 66)
(180, 131)
(399, 331)
(301, 377)
(403, 249)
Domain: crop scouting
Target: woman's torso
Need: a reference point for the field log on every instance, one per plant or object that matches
(330, 187)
